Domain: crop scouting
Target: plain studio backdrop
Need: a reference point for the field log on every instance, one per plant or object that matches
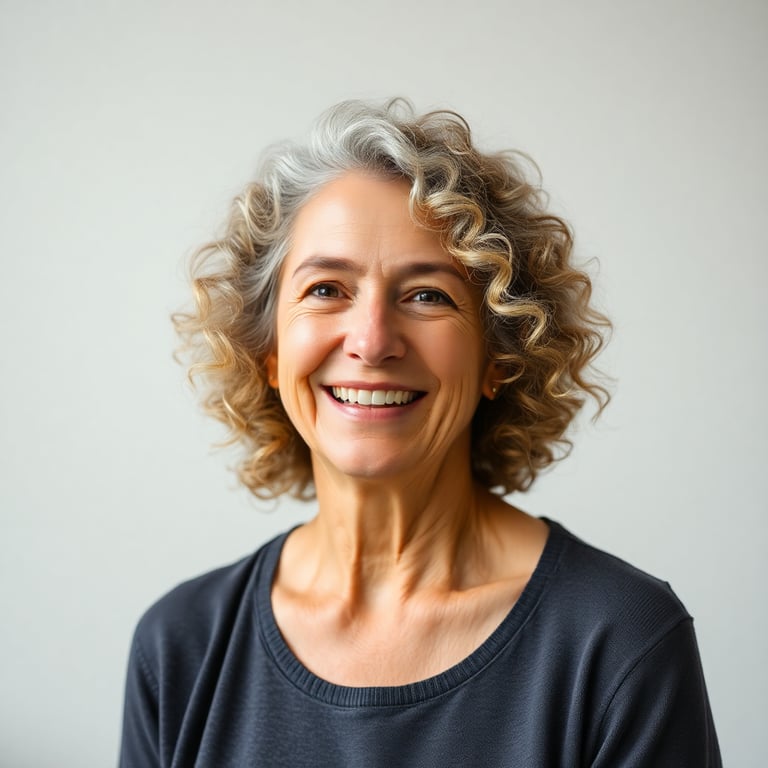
(127, 127)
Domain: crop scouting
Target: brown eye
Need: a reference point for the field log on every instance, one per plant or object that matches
(324, 291)
(432, 296)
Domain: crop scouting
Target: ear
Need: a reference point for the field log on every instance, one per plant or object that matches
(492, 379)
(271, 365)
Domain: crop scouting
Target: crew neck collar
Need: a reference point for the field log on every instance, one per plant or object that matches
(411, 693)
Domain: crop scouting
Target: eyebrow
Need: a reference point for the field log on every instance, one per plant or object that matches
(340, 264)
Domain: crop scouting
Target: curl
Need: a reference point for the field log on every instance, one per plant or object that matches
(490, 212)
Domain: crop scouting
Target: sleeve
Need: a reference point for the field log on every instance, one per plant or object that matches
(659, 715)
(140, 738)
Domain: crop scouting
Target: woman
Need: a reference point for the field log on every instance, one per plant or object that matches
(392, 322)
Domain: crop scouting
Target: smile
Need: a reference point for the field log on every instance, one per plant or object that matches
(378, 397)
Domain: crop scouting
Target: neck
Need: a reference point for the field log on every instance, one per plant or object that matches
(377, 540)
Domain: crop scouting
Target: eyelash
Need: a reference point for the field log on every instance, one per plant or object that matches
(315, 291)
(443, 298)
(322, 291)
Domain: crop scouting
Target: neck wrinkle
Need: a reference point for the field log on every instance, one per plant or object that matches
(382, 541)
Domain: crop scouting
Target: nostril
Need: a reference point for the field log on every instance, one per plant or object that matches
(374, 341)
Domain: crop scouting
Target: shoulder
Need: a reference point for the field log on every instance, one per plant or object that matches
(603, 580)
(605, 600)
(625, 640)
(178, 651)
(188, 617)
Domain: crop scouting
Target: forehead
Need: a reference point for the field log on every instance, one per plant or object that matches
(365, 217)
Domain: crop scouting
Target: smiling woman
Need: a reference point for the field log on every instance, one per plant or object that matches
(392, 322)
(385, 311)
(490, 218)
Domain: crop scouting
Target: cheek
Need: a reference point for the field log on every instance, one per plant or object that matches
(302, 347)
(458, 351)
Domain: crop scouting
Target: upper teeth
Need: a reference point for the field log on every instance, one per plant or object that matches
(373, 396)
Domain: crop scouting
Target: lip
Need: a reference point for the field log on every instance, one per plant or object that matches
(371, 385)
(377, 410)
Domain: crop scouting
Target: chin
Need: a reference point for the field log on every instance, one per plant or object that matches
(369, 465)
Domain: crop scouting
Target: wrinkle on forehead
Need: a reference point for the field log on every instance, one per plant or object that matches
(366, 221)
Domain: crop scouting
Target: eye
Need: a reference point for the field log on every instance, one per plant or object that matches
(324, 291)
(432, 296)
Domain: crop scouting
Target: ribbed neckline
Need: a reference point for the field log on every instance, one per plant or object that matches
(411, 693)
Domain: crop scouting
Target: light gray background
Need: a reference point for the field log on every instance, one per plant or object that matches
(126, 129)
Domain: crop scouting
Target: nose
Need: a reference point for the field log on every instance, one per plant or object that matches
(373, 335)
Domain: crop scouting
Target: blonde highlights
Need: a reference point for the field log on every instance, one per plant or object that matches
(540, 326)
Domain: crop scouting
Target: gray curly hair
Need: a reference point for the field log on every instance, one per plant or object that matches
(540, 326)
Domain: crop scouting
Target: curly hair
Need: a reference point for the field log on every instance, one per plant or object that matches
(540, 327)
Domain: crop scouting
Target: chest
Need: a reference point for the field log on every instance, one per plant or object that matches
(394, 644)
(261, 708)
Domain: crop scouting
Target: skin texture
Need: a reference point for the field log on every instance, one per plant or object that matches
(408, 566)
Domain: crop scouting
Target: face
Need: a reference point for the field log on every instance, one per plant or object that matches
(380, 359)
